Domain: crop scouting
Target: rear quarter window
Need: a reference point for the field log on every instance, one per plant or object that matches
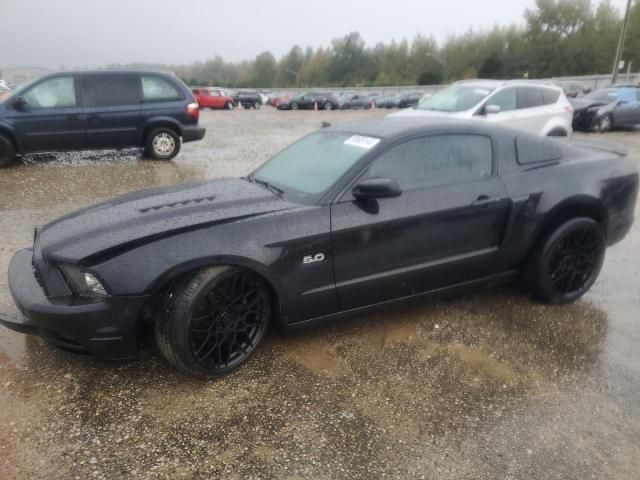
(529, 97)
(532, 150)
(158, 89)
(549, 96)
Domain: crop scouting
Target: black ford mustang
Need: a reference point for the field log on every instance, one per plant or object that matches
(345, 218)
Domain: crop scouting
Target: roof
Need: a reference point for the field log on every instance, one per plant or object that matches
(488, 83)
(389, 128)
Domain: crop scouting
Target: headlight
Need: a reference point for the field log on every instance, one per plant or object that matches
(83, 283)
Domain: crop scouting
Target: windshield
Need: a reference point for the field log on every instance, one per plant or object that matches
(455, 98)
(16, 91)
(312, 165)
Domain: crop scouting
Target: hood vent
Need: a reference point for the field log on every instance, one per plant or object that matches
(183, 203)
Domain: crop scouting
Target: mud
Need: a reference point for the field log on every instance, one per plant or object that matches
(488, 385)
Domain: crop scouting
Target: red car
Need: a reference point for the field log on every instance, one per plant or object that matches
(276, 99)
(213, 98)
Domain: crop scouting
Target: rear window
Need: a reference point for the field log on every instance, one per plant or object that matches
(110, 90)
(550, 96)
(158, 89)
(531, 150)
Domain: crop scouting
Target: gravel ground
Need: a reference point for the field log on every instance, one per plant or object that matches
(489, 385)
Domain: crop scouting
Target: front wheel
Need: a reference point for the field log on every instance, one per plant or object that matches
(162, 144)
(228, 106)
(257, 105)
(294, 106)
(7, 152)
(328, 106)
(566, 263)
(212, 321)
(605, 123)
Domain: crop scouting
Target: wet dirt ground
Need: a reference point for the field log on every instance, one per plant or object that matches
(488, 385)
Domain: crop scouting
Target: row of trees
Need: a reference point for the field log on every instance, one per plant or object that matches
(558, 38)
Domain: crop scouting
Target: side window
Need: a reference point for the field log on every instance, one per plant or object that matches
(505, 99)
(435, 161)
(529, 97)
(158, 89)
(638, 94)
(550, 96)
(109, 90)
(57, 92)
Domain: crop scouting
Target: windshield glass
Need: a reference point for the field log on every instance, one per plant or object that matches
(455, 98)
(312, 165)
(16, 91)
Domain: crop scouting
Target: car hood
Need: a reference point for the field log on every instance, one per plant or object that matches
(133, 219)
(581, 104)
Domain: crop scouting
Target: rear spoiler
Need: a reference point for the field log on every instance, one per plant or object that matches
(601, 145)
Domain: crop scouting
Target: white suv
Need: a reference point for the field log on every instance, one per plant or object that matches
(533, 106)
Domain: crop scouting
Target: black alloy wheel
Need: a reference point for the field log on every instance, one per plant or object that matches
(214, 320)
(568, 261)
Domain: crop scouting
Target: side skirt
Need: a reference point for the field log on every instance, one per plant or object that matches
(438, 293)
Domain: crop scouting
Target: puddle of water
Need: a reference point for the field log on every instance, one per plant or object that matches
(316, 356)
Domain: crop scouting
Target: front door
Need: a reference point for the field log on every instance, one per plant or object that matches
(112, 109)
(444, 229)
(51, 117)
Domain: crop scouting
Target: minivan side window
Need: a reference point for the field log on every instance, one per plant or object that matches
(56, 92)
(108, 90)
(436, 161)
(529, 97)
(157, 89)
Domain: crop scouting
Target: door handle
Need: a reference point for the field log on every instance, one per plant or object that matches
(484, 201)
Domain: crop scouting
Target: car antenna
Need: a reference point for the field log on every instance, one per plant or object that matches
(325, 124)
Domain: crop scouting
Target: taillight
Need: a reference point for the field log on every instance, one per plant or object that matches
(568, 108)
(193, 111)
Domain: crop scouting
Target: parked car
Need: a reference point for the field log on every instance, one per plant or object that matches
(532, 106)
(409, 99)
(277, 98)
(346, 218)
(311, 100)
(572, 88)
(356, 101)
(388, 101)
(607, 108)
(99, 110)
(214, 98)
(248, 99)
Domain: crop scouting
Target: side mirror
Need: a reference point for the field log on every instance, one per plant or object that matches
(19, 103)
(376, 188)
(491, 109)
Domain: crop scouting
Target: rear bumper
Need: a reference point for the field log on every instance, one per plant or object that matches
(104, 327)
(191, 134)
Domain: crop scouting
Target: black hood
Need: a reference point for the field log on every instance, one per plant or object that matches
(142, 216)
(582, 104)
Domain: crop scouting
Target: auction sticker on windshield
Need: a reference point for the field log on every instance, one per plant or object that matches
(362, 142)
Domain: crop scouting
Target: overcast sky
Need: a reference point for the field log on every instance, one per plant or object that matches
(78, 33)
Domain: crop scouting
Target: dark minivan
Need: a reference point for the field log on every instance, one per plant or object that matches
(99, 110)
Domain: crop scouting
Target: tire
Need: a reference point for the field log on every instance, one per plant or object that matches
(605, 123)
(228, 106)
(566, 262)
(294, 106)
(7, 152)
(257, 105)
(201, 322)
(328, 106)
(162, 144)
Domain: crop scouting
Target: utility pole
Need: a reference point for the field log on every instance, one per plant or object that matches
(623, 33)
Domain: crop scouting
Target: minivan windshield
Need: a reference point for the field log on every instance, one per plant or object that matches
(312, 165)
(455, 98)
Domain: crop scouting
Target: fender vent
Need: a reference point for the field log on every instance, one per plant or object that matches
(184, 203)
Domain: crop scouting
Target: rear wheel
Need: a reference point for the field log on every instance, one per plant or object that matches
(7, 152)
(212, 321)
(294, 106)
(162, 144)
(257, 105)
(228, 106)
(566, 263)
(328, 106)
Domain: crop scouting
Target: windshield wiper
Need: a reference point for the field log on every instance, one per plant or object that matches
(267, 185)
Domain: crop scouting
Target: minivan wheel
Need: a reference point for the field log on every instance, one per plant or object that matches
(7, 152)
(212, 321)
(566, 263)
(162, 144)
